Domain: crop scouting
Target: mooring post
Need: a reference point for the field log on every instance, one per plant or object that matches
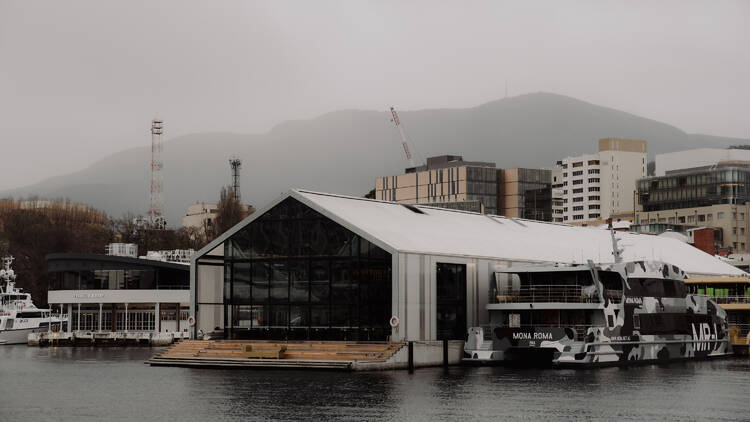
(445, 353)
(411, 357)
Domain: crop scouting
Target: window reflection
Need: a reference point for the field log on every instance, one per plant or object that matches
(307, 278)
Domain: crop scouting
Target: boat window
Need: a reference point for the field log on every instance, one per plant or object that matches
(8, 324)
(612, 283)
(28, 315)
(669, 323)
(656, 287)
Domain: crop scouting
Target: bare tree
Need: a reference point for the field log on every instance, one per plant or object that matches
(229, 212)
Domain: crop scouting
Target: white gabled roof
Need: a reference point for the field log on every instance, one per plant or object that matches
(447, 232)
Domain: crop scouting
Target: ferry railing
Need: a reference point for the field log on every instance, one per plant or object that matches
(549, 293)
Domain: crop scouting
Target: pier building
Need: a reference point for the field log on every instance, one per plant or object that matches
(328, 267)
(105, 293)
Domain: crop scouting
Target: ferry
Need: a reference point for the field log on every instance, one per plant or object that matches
(621, 313)
(18, 315)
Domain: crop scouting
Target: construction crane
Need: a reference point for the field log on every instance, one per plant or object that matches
(396, 121)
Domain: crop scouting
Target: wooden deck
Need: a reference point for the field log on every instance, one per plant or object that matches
(304, 354)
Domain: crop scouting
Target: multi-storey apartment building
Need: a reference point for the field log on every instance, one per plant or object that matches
(599, 186)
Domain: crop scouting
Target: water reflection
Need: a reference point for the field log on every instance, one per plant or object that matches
(91, 383)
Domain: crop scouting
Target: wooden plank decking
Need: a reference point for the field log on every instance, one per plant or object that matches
(303, 354)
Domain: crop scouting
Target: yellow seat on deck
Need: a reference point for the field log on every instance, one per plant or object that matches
(274, 352)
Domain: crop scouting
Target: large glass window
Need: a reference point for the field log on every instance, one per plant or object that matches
(299, 275)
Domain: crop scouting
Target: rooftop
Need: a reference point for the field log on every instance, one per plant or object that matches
(437, 231)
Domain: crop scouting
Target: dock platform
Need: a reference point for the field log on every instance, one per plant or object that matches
(328, 355)
(104, 338)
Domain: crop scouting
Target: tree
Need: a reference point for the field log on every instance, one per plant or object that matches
(228, 213)
(30, 234)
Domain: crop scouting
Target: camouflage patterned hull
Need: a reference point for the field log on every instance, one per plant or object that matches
(651, 319)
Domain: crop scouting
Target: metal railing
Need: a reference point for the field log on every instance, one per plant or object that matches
(730, 299)
(548, 293)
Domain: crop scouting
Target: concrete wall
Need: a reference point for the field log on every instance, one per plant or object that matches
(210, 291)
(426, 353)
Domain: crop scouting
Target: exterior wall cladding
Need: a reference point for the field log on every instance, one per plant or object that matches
(597, 186)
(450, 182)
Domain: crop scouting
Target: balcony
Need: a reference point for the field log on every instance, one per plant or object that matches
(550, 293)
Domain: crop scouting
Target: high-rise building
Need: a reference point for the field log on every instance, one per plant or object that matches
(602, 185)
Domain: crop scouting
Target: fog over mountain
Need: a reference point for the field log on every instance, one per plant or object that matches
(344, 151)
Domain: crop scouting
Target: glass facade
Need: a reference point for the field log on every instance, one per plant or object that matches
(481, 186)
(698, 188)
(92, 273)
(295, 274)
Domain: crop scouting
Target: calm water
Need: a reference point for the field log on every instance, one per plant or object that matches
(93, 384)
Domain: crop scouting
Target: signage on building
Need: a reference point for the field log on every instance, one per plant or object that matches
(87, 295)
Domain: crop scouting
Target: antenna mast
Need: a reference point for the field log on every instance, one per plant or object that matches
(156, 204)
(397, 122)
(236, 164)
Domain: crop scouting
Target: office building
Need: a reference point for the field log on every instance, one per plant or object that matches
(448, 181)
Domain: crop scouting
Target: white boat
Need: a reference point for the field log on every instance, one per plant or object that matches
(18, 315)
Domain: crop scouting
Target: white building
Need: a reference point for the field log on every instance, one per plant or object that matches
(200, 215)
(597, 186)
(558, 196)
(426, 270)
(105, 293)
(699, 157)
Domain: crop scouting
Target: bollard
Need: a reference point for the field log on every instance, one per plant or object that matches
(445, 353)
(411, 357)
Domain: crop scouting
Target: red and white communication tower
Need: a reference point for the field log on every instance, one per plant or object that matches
(156, 206)
(397, 122)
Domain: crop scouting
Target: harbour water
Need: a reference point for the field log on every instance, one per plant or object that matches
(114, 384)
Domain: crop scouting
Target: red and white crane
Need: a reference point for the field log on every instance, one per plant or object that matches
(396, 121)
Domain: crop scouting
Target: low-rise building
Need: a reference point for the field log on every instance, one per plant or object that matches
(201, 215)
(103, 293)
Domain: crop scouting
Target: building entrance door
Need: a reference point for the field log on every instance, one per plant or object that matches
(451, 301)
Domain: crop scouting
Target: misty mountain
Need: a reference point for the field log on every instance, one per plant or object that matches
(344, 151)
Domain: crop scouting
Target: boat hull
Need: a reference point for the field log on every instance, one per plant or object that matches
(19, 336)
(559, 348)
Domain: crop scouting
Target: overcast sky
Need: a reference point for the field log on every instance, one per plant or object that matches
(82, 79)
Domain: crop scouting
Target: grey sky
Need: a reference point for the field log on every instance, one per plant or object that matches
(82, 79)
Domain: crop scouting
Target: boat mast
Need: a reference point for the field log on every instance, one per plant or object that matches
(616, 250)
